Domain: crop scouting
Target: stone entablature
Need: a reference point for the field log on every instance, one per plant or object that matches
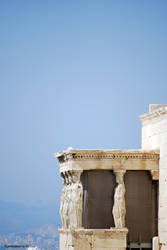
(79, 160)
(156, 114)
(77, 154)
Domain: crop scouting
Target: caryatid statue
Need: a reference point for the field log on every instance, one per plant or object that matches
(65, 200)
(71, 200)
(119, 209)
(76, 201)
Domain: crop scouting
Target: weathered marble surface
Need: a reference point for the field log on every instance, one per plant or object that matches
(71, 200)
(163, 191)
(155, 243)
(72, 163)
(154, 136)
(93, 239)
(80, 160)
(119, 209)
(153, 124)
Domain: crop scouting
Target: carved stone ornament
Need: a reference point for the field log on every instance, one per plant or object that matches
(71, 200)
(119, 209)
(112, 155)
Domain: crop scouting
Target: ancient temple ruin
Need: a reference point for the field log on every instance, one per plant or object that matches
(117, 199)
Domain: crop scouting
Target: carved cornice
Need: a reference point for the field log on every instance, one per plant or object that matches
(154, 116)
(82, 155)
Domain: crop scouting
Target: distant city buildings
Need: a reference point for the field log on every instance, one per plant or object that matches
(43, 238)
(27, 247)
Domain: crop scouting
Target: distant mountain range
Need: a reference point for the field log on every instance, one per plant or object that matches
(46, 237)
(17, 218)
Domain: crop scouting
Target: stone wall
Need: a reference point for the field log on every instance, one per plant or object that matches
(153, 125)
(154, 136)
(163, 191)
(93, 239)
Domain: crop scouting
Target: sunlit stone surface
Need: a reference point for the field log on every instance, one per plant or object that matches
(154, 136)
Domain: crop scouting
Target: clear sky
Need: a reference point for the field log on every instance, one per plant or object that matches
(74, 73)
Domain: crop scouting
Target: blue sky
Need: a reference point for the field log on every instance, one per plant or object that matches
(74, 73)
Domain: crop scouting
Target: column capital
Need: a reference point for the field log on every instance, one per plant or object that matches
(123, 171)
(155, 174)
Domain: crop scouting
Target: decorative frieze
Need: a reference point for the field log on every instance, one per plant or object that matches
(99, 155)
(108, 160)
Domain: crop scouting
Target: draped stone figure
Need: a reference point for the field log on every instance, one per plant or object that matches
(65, 198)
(62, 200)
(71, 200)
(76, 201)
(119, 209)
